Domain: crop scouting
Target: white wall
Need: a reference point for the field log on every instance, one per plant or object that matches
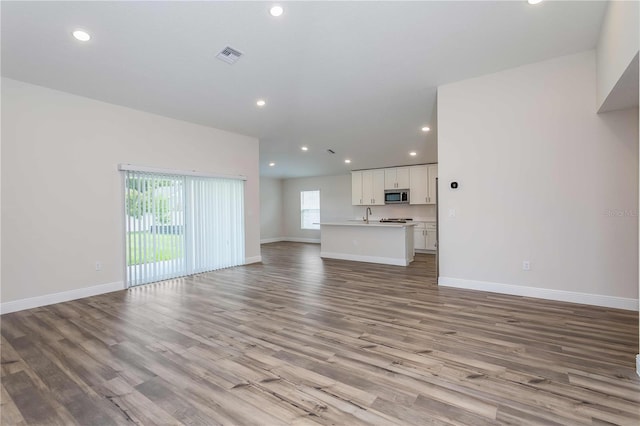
(617, 68)
(617, 46)
(335, 204)
(542, 178)
(62, 202)
(270, 209)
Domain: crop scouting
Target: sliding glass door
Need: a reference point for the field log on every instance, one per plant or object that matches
(216, 224)
(180, 225)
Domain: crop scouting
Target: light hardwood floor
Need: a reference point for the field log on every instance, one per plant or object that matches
(299, 340)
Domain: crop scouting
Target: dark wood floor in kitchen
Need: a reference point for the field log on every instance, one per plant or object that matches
(299, 340)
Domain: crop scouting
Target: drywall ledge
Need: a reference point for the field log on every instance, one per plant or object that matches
(624, 93)
(542, 293)
(617, 45)
(65, 296)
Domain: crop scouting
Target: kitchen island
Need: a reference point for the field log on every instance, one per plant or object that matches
(375, 242)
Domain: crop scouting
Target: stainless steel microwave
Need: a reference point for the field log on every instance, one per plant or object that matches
(396, 196)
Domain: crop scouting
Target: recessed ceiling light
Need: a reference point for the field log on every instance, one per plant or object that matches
(261, 102)
(413, 153)
(304, 148)
(81, 35)
(276, 11)
(534, 1)
(425, 129)
(272, 164)
(347, 161)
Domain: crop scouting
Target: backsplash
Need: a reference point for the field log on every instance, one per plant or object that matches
(416, 212)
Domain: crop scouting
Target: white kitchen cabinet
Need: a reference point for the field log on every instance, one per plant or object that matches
(356, 188)
(418, 189)
(432, 172)
(367, 187)
(431, 232)
(373, 187)
(386, 243)
(390, 178)
(424, 236)
(396, 178)
(402, 178)
(431, 239)
(419, 237)
(422, 184)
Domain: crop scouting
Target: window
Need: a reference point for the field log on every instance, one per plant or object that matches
(310, 209)
(180, 225)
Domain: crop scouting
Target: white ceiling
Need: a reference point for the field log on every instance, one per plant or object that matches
(357, 77)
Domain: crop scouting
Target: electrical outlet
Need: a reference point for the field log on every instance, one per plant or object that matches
(98, 266)
(452, 212)
(526, 265)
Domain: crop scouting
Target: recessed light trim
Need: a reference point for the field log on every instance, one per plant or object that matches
(347, 161)
(534, 1)
(304, 148)
(276, 11)
(81, 35)
(425, 129)
(261, 102)
(413, 153)
(271, 164)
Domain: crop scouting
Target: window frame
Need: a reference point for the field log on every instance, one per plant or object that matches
(311, 227)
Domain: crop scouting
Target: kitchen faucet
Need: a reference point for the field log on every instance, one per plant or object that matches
(367, 212)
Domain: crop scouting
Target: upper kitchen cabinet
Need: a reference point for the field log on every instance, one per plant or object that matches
(373, 187)
(396, 178)
(418, 189)
(356, 188)
(367, 188)
(431, 183)
(422, 186)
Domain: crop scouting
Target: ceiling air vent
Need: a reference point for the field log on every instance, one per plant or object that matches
(229, 55)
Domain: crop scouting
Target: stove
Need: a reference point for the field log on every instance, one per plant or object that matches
(396, 220)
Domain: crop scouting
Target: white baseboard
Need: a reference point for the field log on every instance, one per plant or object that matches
(370, 259)
(254, 259)
(271, 240)
(542, 293)
(64, 296)
(292, 239)
(638, 364)
(302, 240)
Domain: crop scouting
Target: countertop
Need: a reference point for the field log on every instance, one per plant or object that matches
(375, 224)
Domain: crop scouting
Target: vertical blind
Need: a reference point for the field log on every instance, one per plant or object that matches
(180, 225)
